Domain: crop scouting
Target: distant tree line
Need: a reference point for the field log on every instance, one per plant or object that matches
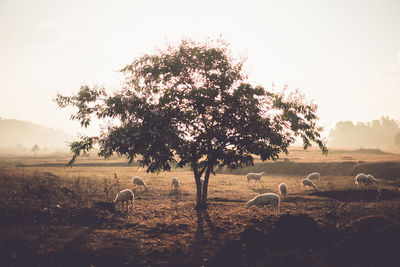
(383, 133)
(22, 136)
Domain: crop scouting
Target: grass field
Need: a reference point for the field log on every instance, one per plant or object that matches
(49, 218)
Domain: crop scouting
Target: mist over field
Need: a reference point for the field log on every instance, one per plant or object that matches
(378, 134)
(18, 136)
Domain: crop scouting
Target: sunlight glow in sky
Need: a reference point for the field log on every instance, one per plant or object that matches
(343, 55)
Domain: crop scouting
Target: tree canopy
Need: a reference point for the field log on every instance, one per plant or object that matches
(191, 104)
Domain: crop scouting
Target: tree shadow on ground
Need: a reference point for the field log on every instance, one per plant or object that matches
(205, 231)
(358, 195)
(204, 218)
(222, 199)
(270, 244)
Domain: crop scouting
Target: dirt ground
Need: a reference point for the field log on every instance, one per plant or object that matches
(48, 217)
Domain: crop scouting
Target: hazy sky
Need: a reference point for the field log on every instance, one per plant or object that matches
(344, 55)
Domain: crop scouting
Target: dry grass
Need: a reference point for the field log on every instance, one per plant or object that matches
(51, 220)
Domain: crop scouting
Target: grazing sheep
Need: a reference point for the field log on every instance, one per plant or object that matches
(256, 177)
(124, 196)
(315, 176)
(265, 199)
(309, 183)
(361, 179)
(175, 183)
(137, 181)
(283, 189)
(370, 179)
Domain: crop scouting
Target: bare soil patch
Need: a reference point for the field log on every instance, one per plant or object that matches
(355, 195)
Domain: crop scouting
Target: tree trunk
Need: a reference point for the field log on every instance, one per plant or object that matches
(197, 177)
(205, 188)
(201, 191)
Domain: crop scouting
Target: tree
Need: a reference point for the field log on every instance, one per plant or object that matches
(191, 105)
(35, 148)
(397, 140)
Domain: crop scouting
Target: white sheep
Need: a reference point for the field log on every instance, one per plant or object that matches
(309, 183)
(256, 177)
(137, 181)
(201, 182)
(315, 176)
(265, 199)
(175, 183)
(123, 197)
(283, 189)
(361, 179)
(370, 179)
